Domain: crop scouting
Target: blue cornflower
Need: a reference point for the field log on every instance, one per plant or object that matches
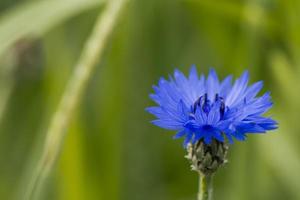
(207, 109)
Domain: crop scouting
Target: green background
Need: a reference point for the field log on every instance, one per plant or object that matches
(111, 151)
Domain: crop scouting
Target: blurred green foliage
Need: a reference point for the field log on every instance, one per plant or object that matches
(111, 150)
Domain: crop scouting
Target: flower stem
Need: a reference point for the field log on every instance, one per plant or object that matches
(205, 187)
(83, 71)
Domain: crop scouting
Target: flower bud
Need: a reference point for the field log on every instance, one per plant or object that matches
(207, 158)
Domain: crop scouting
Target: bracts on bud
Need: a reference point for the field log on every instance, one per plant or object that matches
(207, 158)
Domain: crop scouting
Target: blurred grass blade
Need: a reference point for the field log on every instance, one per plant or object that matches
(286, 77)
(6, 81)
(90, 55)
(37, 17)
(284, 160)
(252, 14)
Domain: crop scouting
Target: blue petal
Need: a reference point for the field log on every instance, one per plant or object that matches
(223, 125)
(229, 137)
(269, 127)
(214, 114)
(200, 116)
(225, 86)
(187, 139)
(237, 92)
(258, 106)
(180, 134)
(253, 90)
(218, 136)
(212, 85)
(197, 136)
(192, 125)
(265, 123)
(167, 124)
(180, 78)
(207, 139)
(239, 136)
(250, 128)
(193, 76)
(155, 98)
(189, 90)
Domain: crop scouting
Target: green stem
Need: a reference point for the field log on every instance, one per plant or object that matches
(83, 71)
(205, 187)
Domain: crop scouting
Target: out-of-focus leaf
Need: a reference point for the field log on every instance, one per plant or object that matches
(252, 14)
(281, 154)
(36, 18)
(291, 22)
(285, 76)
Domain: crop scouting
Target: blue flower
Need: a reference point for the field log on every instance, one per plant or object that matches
(207, 109)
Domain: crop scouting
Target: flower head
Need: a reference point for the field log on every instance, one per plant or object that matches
(207, 109)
